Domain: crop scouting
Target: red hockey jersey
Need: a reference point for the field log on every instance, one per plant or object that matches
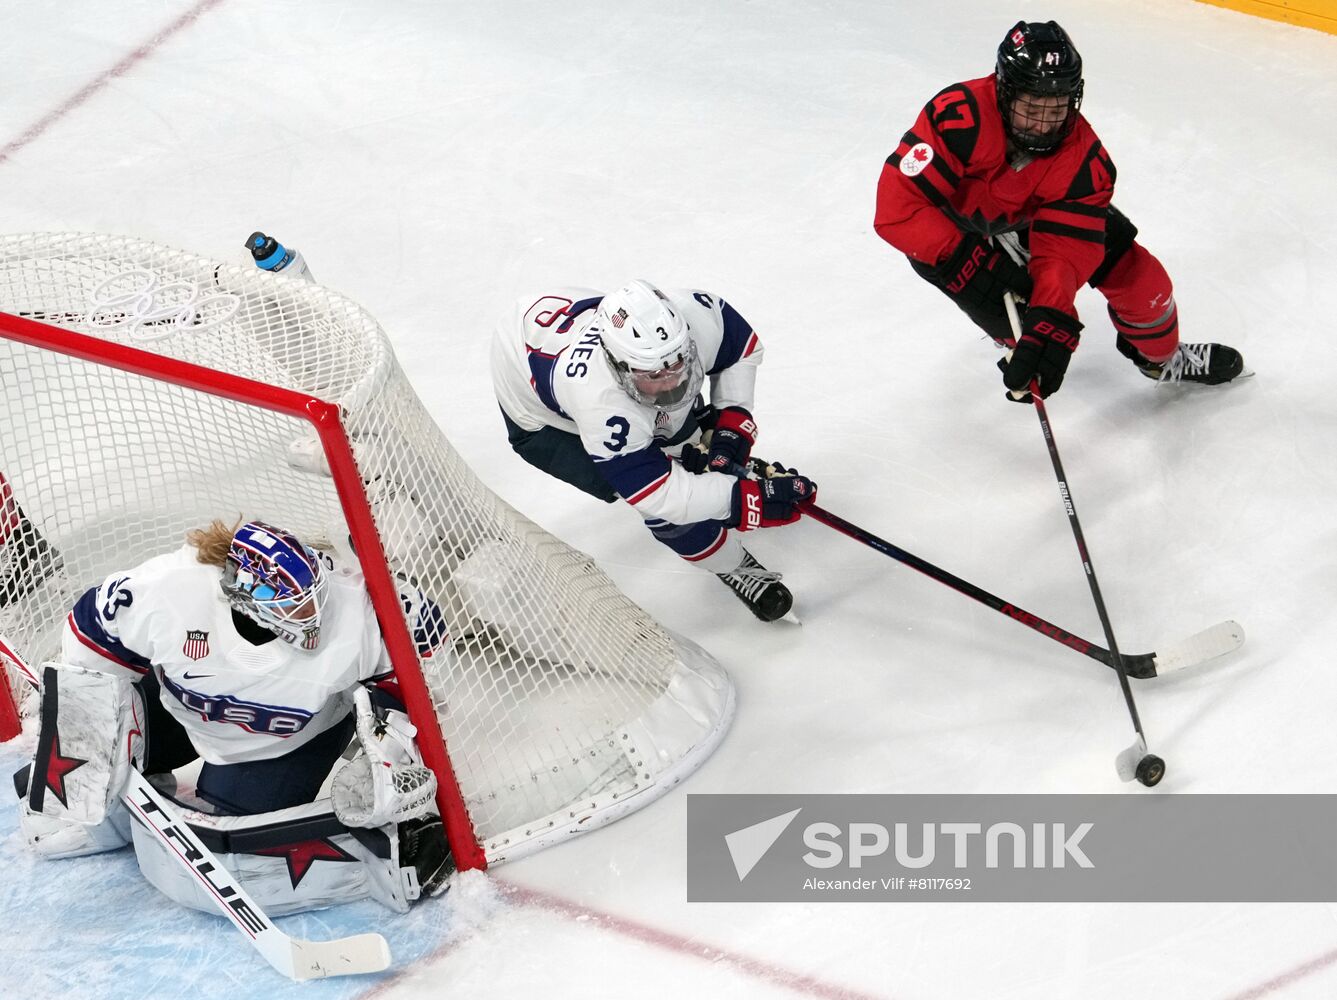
(951, 174)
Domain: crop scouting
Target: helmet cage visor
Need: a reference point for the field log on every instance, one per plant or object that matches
(1038, 122)
(667, 388)
(284, 594)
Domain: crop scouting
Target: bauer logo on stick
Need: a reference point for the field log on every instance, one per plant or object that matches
(919, 157)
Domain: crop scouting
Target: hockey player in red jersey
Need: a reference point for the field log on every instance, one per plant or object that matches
(1009, 158)
(26, 558)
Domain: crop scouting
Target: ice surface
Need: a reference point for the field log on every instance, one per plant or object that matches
(434, 160)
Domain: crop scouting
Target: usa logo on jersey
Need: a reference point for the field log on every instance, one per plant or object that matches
(196, 645)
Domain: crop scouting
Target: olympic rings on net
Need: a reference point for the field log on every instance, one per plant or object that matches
(151, 311)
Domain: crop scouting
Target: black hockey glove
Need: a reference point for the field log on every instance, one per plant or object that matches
(1048, 338)
(769, 503)
(976, 275)
(695, 458)
(732, 439)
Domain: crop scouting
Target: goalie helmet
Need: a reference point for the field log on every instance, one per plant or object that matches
(277, 582)
(649, 346)
(1039, 78)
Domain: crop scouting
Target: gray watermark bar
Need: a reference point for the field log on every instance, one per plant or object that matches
(1012, 848)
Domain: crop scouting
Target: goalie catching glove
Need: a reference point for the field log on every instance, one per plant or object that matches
(386, 782)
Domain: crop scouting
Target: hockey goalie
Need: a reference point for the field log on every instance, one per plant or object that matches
(260, 657)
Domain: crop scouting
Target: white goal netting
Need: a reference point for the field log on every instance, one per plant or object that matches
(562, 704)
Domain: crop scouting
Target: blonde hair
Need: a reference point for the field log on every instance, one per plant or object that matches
(211, 543)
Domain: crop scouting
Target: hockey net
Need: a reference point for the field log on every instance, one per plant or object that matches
(145, 391)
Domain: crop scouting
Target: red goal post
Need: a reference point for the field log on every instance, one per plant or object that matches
(148, 390)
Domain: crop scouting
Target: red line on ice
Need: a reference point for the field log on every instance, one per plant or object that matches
(538, 899)
(127, 63)
(771, 973)
(1289, 978)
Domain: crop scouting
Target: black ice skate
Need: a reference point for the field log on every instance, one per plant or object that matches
(759, 588)
(26, 561)
(1206, 364)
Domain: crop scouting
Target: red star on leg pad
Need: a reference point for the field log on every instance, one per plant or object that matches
(302, 855)
(57, 767)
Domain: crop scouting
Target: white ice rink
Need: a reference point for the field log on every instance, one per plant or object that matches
(433, 160)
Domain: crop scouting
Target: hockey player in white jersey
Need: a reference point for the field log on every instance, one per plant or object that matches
(260, 656)
(599, 390)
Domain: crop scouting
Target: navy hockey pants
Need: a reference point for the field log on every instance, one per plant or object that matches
(561, 455)
(243, 789)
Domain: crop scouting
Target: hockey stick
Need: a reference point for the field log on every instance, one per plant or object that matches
(295, 958)
(1222, 638)
(1134, 761)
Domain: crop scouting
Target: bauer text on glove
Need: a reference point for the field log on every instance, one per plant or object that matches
(769, 503)
(1048, 338)
(976, 275)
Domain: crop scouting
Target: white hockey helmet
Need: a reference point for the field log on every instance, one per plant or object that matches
(649, 346)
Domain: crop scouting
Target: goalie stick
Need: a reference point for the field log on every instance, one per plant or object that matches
(297, 959)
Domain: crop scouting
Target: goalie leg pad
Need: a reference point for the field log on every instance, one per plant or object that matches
(91, 732)
(289, 861)
(53, 837)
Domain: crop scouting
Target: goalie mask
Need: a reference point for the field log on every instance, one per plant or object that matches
(277, 582)
(649, 346)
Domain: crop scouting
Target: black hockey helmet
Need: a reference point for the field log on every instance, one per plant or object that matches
(1038, 59)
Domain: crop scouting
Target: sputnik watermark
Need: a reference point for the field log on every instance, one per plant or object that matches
(1199, 848)
(1050, 844)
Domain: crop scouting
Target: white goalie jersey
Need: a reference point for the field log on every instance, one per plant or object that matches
(237, 701)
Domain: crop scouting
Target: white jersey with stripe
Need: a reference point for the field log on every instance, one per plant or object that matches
(549, 371)
(238, 702)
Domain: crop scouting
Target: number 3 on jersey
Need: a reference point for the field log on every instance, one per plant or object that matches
(621, 428)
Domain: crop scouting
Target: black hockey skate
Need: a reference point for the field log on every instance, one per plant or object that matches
(759, 588)
(1206, 364)
(26, 561)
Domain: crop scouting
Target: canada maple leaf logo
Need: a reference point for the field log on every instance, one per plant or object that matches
(919, 156)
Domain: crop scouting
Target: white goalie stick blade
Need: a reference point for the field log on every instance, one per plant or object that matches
(295, 958)
(1127, 761)
(1224, 637)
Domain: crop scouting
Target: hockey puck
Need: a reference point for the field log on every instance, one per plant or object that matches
(1150, 770)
